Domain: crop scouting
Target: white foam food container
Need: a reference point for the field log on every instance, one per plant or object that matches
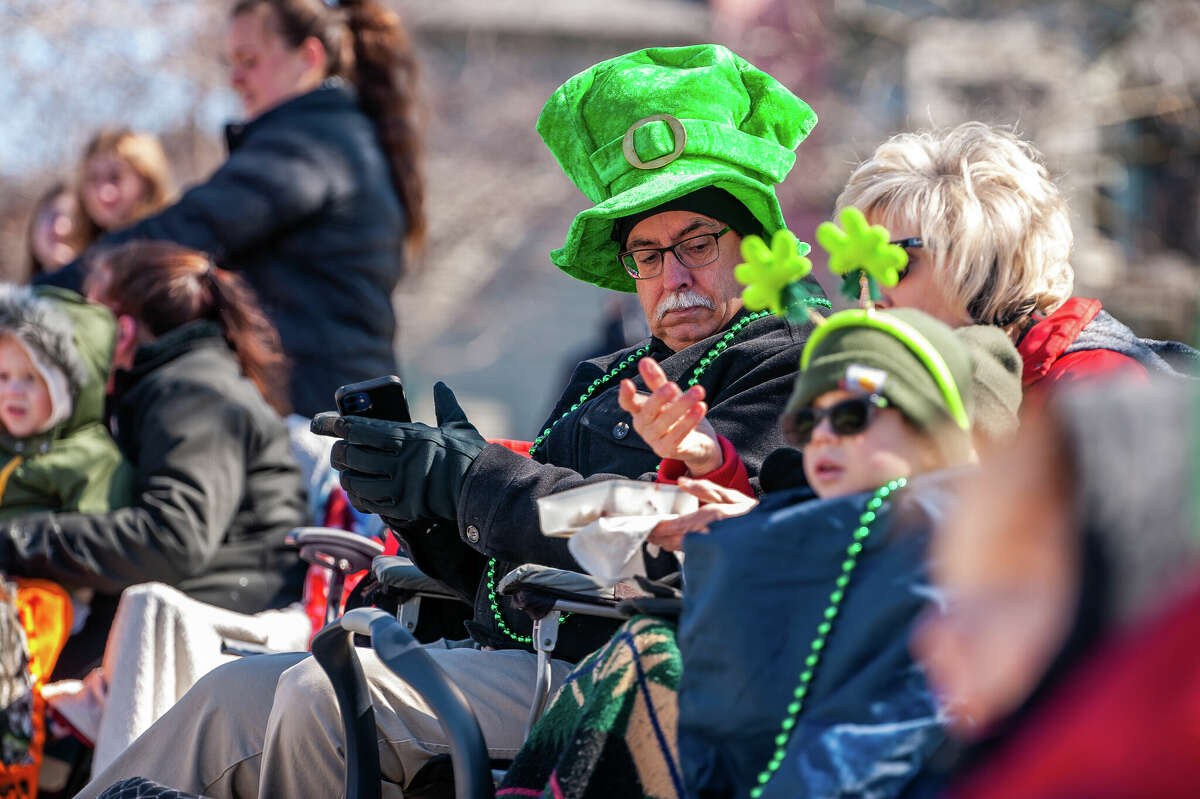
(563, 513)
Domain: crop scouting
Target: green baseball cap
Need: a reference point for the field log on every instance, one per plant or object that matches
(639, 130)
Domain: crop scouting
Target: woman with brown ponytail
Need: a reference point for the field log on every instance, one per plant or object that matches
(321, 191)
(215, 487)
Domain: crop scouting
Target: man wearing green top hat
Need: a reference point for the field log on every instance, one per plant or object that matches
(678, 150)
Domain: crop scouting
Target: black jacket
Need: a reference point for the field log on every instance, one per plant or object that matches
(216, 488)
(747, 387)
(304, 208)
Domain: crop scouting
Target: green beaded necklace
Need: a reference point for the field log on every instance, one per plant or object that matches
(814, 657)
(604, 379)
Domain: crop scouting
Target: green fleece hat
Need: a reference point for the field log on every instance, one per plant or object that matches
(645, 128)
(914, 361)
(995, 382)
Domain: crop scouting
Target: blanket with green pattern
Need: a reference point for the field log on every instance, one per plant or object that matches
(610, 731)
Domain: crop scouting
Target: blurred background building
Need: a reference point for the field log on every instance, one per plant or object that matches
(1107, 90)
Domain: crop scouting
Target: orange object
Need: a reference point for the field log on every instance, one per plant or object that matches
(46, 615)
(44, 609)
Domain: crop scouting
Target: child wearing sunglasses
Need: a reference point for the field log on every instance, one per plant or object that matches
(878, 399)
(796, 677)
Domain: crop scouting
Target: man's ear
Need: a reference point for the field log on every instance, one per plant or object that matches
(127, 342)
(315, 57)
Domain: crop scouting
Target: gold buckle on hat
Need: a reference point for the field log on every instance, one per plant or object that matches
(677, 131)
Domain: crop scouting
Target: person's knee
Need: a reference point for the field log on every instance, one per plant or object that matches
(242, 686)
(304, 692)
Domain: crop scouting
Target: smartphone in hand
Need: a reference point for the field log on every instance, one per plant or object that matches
(378, 398)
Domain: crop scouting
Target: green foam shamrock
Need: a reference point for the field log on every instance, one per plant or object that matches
(857, 247)
(769, 273)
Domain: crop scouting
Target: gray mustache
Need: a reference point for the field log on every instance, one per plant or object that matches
(684, 299)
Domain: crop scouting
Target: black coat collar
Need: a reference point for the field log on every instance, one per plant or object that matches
(333, 93)
(199, 334)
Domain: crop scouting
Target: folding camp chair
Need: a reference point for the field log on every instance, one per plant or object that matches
(543, 592)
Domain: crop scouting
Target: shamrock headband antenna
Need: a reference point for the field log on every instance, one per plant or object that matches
(865, 249)
(774, 277)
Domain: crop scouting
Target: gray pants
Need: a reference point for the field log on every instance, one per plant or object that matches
(268, 725)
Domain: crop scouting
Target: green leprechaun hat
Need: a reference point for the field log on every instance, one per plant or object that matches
(648, 127)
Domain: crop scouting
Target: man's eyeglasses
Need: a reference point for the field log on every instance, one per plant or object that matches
(913, 241)
(693, 252)
(848, 418)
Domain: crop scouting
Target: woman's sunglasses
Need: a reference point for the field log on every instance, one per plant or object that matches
(915, 241)
(848, 418)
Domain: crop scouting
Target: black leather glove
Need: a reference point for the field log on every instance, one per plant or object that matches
(404, 470)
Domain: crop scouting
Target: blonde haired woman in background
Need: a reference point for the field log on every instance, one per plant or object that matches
(124, 176)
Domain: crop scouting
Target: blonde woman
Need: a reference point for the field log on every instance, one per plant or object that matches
(123, 177)
(989, 242)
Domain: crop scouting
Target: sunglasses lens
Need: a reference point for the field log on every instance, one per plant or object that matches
(800, 427)
(850, 416)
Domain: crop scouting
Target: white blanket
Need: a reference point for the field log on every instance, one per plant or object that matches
(161, 643)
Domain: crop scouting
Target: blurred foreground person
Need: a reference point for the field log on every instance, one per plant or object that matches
(1068, 650)
(321, 188)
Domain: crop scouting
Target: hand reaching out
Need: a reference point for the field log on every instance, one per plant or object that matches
(718, 503)
(671, 421)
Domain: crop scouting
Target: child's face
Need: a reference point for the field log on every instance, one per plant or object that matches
(52, 231)
(888, 448)
(112, 189)
(25, 404)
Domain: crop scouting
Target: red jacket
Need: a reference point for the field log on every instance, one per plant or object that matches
(1124, 725)
(1044, 350)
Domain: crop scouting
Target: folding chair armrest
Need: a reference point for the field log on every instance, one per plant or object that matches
(398, 573)
(559, 583)
(332, 647)
(339, 550)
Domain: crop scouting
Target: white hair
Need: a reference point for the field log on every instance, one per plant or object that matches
(681, 300)
(994, 223)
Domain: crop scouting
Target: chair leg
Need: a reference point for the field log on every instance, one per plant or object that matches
(400, 653)
(409, 613)
(333, 650)
(545, 638)
(333, 600)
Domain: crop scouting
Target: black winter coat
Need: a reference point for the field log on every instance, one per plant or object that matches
(305, 209)
(216, 489)
(747, 386)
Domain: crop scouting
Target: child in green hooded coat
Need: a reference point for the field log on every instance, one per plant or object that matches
(55, 353)
(57, 455)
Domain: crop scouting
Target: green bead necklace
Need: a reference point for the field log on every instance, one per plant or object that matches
(604, 379)
(823, 629)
